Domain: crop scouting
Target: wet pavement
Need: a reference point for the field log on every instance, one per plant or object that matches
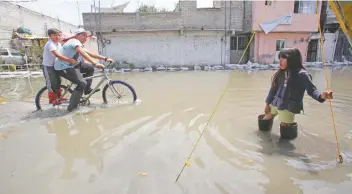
(141, 148)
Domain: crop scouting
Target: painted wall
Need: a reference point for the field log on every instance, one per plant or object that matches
(329, 46)
(303, 22)
(167, 48)
(265, 45)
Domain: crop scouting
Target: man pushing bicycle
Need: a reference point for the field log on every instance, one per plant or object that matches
(72, 49)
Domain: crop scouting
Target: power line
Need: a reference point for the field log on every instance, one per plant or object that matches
(19, 1)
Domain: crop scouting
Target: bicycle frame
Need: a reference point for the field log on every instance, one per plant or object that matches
(104, 77)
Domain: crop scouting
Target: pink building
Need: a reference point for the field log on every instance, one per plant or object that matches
(287, 23)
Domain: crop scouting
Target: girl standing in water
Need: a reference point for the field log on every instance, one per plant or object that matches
(285, 97)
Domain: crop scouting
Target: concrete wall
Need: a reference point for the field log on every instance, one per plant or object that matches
(167, 48)
(247, 18)
(92, 45)
(13, 17)
(265, 45)
(187, 36)
(329, 47)
(133, 21)
(186, 17)
(302, 22)
(330, 16)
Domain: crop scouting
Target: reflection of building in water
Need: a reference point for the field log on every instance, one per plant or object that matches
(319, 79)
(73, 142)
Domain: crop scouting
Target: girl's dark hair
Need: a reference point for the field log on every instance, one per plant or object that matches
(294, 62)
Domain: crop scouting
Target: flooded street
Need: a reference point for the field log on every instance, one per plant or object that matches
(141, 148)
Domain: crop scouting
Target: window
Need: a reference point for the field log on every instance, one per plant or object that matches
(304, 6)
(4, 52)
(15, 53)
(280, 44)
(268, 2)
(312, 51)
(238, 42)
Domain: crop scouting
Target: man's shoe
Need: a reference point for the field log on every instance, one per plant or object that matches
(90, 90)
(74, 100)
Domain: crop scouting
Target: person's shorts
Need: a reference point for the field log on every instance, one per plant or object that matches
(285, 116)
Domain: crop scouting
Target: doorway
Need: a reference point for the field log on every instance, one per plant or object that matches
(312, 50)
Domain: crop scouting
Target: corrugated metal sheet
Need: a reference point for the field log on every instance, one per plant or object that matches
(26, 37)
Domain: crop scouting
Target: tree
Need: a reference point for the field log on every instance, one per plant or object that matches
(150, 8)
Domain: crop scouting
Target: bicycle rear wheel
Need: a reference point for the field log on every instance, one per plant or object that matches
(120, 91)
(42, 100)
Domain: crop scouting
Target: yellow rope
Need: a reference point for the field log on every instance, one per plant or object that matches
(187, 163)
(327, 82)
(340, 20)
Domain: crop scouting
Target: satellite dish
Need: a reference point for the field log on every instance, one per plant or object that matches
(113, 8)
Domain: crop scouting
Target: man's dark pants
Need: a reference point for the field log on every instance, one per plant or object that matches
(75, 75)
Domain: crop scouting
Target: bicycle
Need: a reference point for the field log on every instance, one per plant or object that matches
(85, 100)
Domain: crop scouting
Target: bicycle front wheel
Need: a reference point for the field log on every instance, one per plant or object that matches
(120, 92)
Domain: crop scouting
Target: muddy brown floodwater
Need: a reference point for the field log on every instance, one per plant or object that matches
(141, 148)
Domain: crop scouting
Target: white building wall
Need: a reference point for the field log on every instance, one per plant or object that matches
(13, 17)
(155, 38)
(168, 48)
(329, 47)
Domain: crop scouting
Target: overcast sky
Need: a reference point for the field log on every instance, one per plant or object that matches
(66, 10)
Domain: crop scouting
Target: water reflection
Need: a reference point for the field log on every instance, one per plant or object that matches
(103, 149)
(73, 139)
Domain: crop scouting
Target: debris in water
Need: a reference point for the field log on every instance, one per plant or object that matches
(143, 173)
(136, 70)
(161, 68)
(2, 100)
(4, 135)
(197, 67)
(148, 69)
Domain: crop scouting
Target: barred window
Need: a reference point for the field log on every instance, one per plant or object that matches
(238, 42)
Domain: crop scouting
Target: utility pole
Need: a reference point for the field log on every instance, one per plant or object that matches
(79, 15)
(96, 24)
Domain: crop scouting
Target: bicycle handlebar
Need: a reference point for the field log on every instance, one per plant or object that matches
(107, 64)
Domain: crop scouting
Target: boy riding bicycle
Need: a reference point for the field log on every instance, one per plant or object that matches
(73, 48)
(53, 80)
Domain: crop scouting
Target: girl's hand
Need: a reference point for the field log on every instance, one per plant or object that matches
(267, 109)
(327, 95)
